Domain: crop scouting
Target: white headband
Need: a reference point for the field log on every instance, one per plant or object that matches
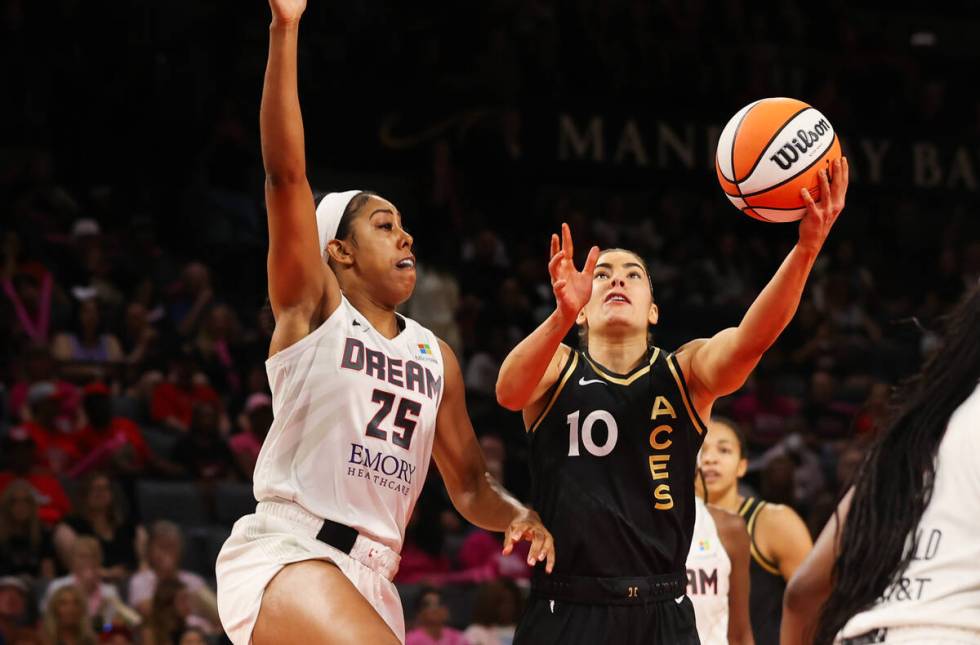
(328, 213)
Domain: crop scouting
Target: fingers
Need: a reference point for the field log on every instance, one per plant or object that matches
(825, 195)
(590, 261)
(554, 245)
(811, 206)
(535, 554)
(840, 182)
(549, 547)
(553, 263)
(566, 241)
(512, 537)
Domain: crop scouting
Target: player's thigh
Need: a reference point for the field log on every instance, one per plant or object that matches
(314, 602)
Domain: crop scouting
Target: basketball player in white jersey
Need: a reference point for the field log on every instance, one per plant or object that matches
(718, 575)
(362, 399)
(900, 561)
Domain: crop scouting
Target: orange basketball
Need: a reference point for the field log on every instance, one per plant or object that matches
(769, 151)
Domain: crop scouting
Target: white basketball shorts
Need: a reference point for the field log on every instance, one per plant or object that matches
(280, 533)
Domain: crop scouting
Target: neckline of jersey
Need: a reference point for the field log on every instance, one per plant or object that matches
(361, 319)
(651, 353)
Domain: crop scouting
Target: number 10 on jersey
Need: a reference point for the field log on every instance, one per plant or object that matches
(659, 441)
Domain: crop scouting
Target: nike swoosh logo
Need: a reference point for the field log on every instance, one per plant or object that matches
(582, 381)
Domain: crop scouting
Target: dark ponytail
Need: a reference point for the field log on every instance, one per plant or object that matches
(894, 484)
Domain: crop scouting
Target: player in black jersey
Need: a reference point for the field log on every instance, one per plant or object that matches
(615, 430)
(780, 540)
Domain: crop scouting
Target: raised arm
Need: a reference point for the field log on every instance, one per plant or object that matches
(533, 366)
(721, 364)
(474, 492)
(811, 584)
(298, 278)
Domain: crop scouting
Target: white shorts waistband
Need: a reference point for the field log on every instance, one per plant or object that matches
(371, 553)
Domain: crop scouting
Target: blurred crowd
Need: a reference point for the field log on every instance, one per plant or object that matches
(133, 316)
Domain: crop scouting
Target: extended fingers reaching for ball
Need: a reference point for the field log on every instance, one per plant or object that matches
(821, 215)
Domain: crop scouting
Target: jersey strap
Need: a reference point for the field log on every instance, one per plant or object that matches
(563, 377)
(675, 371)
(750, 512)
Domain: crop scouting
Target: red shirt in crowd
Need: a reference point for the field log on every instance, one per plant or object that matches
(53, 450)
(172, 401)
(98, 447)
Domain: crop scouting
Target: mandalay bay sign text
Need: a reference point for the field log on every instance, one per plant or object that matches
(634, 144)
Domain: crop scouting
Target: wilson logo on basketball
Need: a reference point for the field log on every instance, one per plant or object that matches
(804, 140)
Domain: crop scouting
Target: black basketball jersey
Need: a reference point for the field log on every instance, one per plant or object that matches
(612, 466)
(767, 584)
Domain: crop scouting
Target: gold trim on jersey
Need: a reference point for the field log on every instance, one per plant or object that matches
(760, 559)
(569, 369)
(695, 419)
(629, 380)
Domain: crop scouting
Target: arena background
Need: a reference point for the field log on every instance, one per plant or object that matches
(131, 202)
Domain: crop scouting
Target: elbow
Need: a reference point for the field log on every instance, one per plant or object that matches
(797, 596)
(283, 177)
(506, 396)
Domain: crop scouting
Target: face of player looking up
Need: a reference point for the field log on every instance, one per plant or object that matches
(621, 303)
(721, 460)
(376, 255)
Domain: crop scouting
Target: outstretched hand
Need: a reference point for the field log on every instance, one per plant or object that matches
(529, 527)
(820, 216)
(287, 10)
(572, 288)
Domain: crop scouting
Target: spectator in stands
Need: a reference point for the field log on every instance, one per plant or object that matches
(192, 297)
(15, 598)
(36, 365)
(763, 409)
(26, 548)
(102, 602)
(430, 622)
(17, 462)
(193, 636)
(87, 349)
(55, 448)
(140, 339)
(65, 620)
(174, 399)
(113, 443)
(496, 609)
(100, 515)
(171, 615)
(164, 550)
(219, 350)
(27, 303)
(202, 452)
(255, 422)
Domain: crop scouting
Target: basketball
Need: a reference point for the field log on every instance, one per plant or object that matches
(770, 150)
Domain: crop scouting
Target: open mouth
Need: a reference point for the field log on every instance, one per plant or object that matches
(615, 296)
(406, 263)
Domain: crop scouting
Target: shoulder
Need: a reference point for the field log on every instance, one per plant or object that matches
(686, 353)
(777, 521)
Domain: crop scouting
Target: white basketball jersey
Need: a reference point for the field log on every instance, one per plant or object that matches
(708, 570)
(355, 416)
(941, 586)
